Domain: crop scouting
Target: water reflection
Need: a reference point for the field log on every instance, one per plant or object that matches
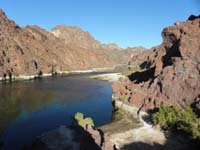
(30, 108)
(17, 98)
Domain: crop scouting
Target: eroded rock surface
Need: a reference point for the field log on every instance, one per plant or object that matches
(32, 50)
(173, 73)
(35, 51)
(76, 36)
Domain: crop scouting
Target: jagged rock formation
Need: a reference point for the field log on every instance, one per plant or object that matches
(34, 51)
(173, 70)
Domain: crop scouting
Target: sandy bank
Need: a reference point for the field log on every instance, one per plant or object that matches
(145, 137)
(111, 77)
(144, 134)
(30, 77)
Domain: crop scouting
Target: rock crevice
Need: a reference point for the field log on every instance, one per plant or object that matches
(175, 79)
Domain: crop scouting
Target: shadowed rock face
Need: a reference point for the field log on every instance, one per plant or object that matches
(32, 50)
(72, 138)
(176, 71)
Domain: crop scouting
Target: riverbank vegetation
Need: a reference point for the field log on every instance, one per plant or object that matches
(172, 117)
(79, 117)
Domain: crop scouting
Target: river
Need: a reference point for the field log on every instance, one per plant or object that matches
(29, 108)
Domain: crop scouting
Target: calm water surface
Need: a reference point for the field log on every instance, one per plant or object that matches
(30, 108)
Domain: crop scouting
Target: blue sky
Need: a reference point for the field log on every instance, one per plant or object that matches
(125, 22)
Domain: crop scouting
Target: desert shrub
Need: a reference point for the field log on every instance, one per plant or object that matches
(189, 123)
(85, 121)
(166, 116)
(180, 119)
(79, 117)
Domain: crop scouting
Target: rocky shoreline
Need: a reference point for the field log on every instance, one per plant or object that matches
(63, 136)
(145, 133)
(145, 136)
(170, 76)
(171, 72)
(30, 51)
(31, 77)
(119, 136)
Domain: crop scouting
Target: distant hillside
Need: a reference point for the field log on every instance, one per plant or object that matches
(32, 50)
(78, 37)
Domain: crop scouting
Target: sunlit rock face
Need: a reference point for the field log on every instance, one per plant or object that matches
(174, 73)
(30, 50)
(76, 36)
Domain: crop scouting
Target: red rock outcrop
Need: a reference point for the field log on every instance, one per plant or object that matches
(33, 51)
(102, 140)
(173, 74)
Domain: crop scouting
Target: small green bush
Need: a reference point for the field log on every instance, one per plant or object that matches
(166, 116)
(79, 117)
(85, 121)
(181, 119)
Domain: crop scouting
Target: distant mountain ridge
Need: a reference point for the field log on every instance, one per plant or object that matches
(32, 50)
(76, 36)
